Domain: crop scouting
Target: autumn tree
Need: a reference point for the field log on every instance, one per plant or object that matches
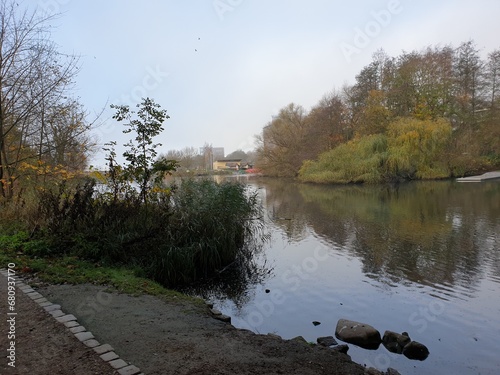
(469, 82)
(281, 146)
(38, 123)
(493, 77)
(416, 148)
(328, 125)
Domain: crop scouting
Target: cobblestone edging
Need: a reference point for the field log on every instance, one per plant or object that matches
(105, 351)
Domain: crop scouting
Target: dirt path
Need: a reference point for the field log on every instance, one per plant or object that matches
(156, 335)
(42, 345)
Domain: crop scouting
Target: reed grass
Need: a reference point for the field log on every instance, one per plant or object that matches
(185, 233)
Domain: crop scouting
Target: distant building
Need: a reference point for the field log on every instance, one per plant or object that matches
(211, 154)
(230, 164)
(225, 164)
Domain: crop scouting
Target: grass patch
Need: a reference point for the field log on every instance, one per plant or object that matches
(73, 270)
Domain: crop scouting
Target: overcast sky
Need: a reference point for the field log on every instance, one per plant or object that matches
(222, 68)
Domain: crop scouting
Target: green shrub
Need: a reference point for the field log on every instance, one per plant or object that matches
(14, 242)
(208, 228)
(358, 161)
(179, 235)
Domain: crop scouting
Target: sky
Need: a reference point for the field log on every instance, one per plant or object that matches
(223, 68)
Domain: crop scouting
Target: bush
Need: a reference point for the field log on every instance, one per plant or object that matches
(208, 229)
(417, 148)
(411, 149)
(357, 161)
(180, 235)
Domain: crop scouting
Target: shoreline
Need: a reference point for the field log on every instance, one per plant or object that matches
(172, 335)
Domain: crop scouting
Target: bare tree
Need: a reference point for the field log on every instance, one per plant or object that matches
(35, 80)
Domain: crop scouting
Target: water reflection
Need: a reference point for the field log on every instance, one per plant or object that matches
(421, 257)
(433, 233)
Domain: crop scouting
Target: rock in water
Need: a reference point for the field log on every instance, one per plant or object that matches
(416, 350)
(394, 342)
(326, 341)
(357, 333)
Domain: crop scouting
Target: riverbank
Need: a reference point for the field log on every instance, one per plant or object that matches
(159, 335)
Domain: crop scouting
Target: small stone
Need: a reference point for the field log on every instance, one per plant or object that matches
(215, 312)
(66, 318)
(34, 295)
(394, 342)
(84, 336)
(274, 335)
(92, 343)
(299, 339)
(341, 348)
(103, 349)
(109, 356)
(372, 371)
(77, 329)
(129, 370)
(56, 313)
(52, 307)
(316, 323)
(268, 290)
(118, 364)
(416, 350)
(391, 371)
(326, 341)
(224, 318)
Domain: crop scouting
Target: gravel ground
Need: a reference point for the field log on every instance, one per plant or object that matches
(157, 335)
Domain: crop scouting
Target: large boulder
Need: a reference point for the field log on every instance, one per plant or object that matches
(395, 342)
(416, 350)
(357, 333)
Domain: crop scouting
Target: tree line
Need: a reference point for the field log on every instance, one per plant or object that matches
(432, 113)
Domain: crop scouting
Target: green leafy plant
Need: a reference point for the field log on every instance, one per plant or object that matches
(142, 166)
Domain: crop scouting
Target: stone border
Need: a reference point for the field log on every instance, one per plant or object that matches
(105, 351)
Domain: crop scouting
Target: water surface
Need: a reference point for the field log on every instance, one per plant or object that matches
(421, 257)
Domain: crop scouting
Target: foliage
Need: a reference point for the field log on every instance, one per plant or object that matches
(281, 147)
(42, 128)
(416, 148)
(436, 85)
(212, 225)
(143, 168)
(411, 149)
(360, 160)
(197, 228)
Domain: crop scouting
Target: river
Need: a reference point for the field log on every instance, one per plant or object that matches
(420, 257)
